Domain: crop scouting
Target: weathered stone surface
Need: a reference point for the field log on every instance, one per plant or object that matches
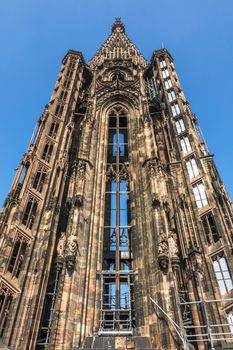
(70, 276)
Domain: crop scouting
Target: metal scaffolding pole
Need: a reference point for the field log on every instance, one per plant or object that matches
(180, 332)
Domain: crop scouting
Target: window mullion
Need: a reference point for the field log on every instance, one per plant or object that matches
(117, 219)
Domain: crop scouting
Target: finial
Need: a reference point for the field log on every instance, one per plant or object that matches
(118, 25)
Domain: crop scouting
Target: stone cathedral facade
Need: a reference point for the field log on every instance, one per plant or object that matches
(117, 231)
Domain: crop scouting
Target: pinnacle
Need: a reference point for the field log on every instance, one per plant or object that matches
(118, 26)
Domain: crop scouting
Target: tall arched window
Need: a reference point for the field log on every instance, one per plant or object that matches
(117, 136)
(116, 315)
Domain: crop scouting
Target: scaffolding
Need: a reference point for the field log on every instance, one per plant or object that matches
(116, 319)
(207, 333)
(49, 310)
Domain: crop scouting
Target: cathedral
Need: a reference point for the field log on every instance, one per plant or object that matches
(117, 232)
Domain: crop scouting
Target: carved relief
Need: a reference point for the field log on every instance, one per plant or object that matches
(158, 179)
(163, 245)
(111, 173)
(47, 217)
(124, 174)
(89, 116)
(182, 200)
(61, 246)
(71, 251)
(172, 242)
(80, 183)
(147, 120)
(163, 251)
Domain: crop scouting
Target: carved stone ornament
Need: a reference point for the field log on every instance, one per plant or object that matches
(172, 242)
(155, 200)
(51, 204)
(182, 200)
(61, 246)
(196, 259)
(80, 180)
(71, 251)
(29, 155)
(166, 204)
(48, 217)
(110, 174)
(147, 120)
(5, 290)
(89, 116)
(163, 251)
(78, 200)
(81, 170)
(155, 167)
(124, 174)
(152, 168)
(163, 261)
(163, 245)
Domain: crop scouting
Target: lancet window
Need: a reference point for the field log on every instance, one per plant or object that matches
(192, 167)
(59, 110)
(116, 277)
(30, 213)
(162, 63)
(63, 95)
(222, 273)
(175, 109)
(210, 228)
(200, 194)
(53, 130)
(165, 73)
(47, 152)
(39, 179)
(69, 73)
(66, 83)
(185, 144)
(21, 180)
(168, 84)
(17, 255)
(171, 95)
(180, 127)
(6, 297)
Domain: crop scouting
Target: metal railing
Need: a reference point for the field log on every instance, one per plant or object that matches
(205, 333)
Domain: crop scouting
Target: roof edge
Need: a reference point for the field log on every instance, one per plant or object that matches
(76, 53)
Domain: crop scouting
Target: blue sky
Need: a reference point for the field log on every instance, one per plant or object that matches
(35, 35)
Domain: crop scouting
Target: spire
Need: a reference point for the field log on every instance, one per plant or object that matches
(118, 46)
(118, 26)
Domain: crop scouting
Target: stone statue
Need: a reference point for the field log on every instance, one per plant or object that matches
(163, 259)
(61, 245)
(81, 170)
(163, 246)
(71, 246)
(71, 251)
(47, 218)
(173, 249)
(81, 178)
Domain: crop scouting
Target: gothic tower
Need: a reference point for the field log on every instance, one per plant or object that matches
(117, 231)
